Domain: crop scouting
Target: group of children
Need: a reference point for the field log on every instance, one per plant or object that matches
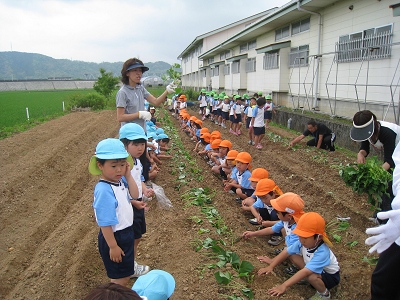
(256, 112)
(279, 214)
(120, 210)
(124, 166)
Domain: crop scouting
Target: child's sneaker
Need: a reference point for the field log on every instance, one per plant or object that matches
(239, 132)
(275, 240)
(259, 146)
(140, 270)
(291, 270)
(249, 142)
(231, 131)
(253, 221)
(253, 143)
(277, 251)
(318, 296)
(216, 122)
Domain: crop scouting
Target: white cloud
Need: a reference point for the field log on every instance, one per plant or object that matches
(100, 30)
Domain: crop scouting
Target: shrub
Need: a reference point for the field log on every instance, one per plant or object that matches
(93, 101)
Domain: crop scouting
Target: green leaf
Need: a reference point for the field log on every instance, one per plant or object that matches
(223, 278)
(248, 293)
(245, 267)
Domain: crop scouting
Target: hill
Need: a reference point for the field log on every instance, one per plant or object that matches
(28, 66)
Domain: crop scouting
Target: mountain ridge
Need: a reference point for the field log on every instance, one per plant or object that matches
(16, 65)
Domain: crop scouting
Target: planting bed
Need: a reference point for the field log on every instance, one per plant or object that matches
(48, 235)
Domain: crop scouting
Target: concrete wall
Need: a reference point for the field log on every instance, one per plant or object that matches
(342, 130)
(45, 85)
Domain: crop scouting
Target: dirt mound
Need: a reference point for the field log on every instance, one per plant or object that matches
(48, 235)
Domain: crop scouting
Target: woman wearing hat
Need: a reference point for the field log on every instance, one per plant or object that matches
(382, 136)
(132, 95)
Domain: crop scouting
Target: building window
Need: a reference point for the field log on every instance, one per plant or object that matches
(271, 60)
(215, 71)
(373, 43)
(203, 73)
(227, 69)
(225, 55)
(300, 26)
(248, 46)
(282, 33)
(251, 65)
(236, 67)
(298, 56)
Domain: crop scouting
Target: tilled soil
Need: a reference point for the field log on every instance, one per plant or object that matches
(48, 237)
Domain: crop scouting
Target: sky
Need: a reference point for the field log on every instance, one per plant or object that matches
(115, 30)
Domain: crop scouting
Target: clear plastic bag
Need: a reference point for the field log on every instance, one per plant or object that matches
(162, 199)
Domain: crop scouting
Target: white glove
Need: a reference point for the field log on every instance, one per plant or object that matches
(171, 88)
(384, 235)
(145, 115)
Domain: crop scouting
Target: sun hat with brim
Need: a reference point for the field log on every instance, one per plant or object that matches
(155, 285)
(258, 174)
(265, 186)
(204, 130)
(206, 137)
(244, 157)
(198, 122)
(360, 133)
(159, 130)
(245, 96)
(108, 149)
(162, 136)
(215, 144)
(309, 224)
(290, 203)
(132, 132)
(237, 97)
(137, 65)
(232, 154)
(268, 97)
(225, 144)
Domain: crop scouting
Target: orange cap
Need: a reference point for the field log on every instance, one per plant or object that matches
(216, 133)
(215, 144)
(192, 118)
(311, 223)
(266, 185)
(199, 122)
(244, 157)
(232, 154)
(225, 144)
(258, 174)
(205, 136)
(290, 203)
(204, 130)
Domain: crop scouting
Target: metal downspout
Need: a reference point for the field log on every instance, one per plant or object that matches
(318, 56)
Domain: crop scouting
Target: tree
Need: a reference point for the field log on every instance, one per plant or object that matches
(106, 84)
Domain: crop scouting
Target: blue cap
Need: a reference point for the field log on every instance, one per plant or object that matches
(152, 135)
(159, 130)
(132, 132)
(162, 136)
(137, 65)
(108, 149)
(155, 285)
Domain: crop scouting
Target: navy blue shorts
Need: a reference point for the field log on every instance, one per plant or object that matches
(139, 222)
(330, 280)
(125, 240)
(219, 112)
(259, 130)
(238, 119)
(225, 115)
(248, 120)
(231, 118)
(268, 115)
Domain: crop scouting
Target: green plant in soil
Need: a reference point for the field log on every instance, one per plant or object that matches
(369, 178)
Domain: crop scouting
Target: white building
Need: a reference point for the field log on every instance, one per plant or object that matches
(335, 56)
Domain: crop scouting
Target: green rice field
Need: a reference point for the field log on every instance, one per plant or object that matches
(39, 103)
